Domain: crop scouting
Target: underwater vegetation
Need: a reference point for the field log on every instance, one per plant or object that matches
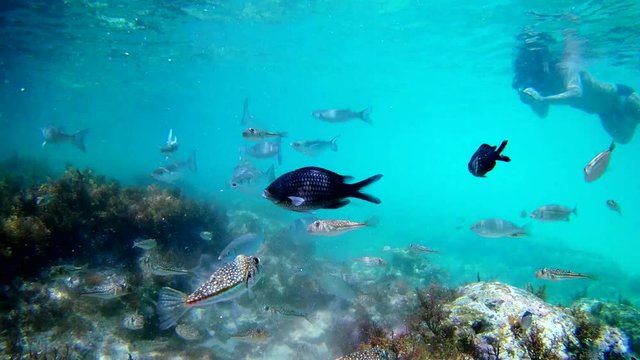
(483, 321)
(81, 214)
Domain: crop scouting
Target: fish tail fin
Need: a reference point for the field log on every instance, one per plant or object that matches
(171, 306)
(612, 146)
(271, 174)
(575, 210)
(334, 145)
(280, 152)
(78, 139)
(246, 116)
(283, 134)
(499, 151)
(591, 277)
(372, 221)
(365, 115)
(191, 162)
(355, 189)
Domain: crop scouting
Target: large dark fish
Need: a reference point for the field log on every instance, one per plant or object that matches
(313, 188)
(484, 159)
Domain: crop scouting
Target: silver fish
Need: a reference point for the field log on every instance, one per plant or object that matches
(553, 213)
(151, 263)
(371, 261)
(614, 206)
(497, 228)
(281, 310)
(336, 227)
(55, 135)
(315, 147)
(65, 271)
(421, 249)
(187, 332)
(133, 321)
(598, 165)
(247, 176)
(254, 134)
(206, 235)
(172, 172)
(265, 150)
(336, 286)
(146, 244)
(258, 334)
(558, 274)
(342, 115)
(247, 243)
(226, 283)
(109, 286)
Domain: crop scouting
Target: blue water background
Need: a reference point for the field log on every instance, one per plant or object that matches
(437, 76)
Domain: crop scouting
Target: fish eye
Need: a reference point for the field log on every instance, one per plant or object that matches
(316, 223)
(256, 261)
(234, 184)
(252, 130)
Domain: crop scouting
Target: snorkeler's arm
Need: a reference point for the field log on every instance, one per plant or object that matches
(573, 90)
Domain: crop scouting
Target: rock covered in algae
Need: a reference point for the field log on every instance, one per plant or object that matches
(623, 316)
(80, 214)
(490, 314)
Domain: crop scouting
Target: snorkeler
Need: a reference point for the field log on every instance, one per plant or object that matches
(542, 80)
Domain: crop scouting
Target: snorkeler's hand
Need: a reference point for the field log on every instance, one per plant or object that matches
(530, 96)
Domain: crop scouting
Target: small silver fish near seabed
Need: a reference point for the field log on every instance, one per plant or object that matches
(146, 244)
(598, 165)
(133, 321)
(371, 261)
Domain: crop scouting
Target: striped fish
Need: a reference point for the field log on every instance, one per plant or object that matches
(557, 274)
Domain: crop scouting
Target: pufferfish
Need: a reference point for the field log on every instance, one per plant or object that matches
(228, 282)
(375, 353)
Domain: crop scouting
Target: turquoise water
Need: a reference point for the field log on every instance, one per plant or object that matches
(437, 76)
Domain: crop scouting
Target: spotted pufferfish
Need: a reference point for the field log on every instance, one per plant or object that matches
(228, 282)
(375, 353)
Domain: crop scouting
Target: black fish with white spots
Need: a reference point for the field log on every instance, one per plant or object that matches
(484, 159)
(312, 188)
